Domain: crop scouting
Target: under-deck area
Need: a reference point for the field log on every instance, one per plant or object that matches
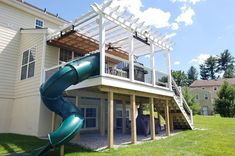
(95, 141)
(116, 116)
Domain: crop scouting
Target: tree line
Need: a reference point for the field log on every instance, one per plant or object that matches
(219, 66)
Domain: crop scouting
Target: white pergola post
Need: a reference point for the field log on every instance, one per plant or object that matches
(152, 61)
(168, 62)
(102, 44)
(131, 58)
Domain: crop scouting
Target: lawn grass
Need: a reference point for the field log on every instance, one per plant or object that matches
(217, 139)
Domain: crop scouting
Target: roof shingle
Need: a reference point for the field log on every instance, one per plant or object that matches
(207, 83)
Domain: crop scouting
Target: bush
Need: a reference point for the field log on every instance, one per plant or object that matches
(225, 103)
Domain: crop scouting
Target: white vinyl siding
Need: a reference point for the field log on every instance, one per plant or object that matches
(30, 86)
(51, 56)
(12, 20)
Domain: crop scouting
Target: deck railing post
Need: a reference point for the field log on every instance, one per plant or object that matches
(131, 58)
(102, 44)
(168, 62)
(152, 61)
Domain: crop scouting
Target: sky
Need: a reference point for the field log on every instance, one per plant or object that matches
(199, 28)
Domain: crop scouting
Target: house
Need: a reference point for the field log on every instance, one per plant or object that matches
(205, 92)
(36, 43)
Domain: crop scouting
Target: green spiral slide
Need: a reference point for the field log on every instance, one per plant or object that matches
(52, 96)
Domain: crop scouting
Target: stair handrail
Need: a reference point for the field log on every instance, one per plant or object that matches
(182, 100)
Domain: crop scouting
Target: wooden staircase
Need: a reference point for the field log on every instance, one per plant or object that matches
(180, 113)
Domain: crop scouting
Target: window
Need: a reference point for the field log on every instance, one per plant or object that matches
(90, 117)
(66, 56)
(28, 63)
(119, 118)
(205, 110)
(215, 89)
(39, 24)
(206, 96)
(197, 97)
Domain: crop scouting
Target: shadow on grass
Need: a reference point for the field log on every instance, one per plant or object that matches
(21, 145)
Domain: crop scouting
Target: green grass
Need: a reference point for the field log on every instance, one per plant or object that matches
(218, 139)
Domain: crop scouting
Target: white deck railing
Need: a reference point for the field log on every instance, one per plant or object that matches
(119, 69)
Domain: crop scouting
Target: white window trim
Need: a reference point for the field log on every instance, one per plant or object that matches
(85, 107)
(22, 54)
(43, 23)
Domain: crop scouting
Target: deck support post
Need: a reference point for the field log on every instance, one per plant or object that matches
(53, 126)
(62, 150)
(123, 116)
(167, 118)
(102, 116)
(53, 121)
(133, 119)
(110, 119)
(102, 44)
(152, 120)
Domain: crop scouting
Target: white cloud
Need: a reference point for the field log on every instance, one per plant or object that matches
(177, 63)
(186, 16)
(187, 1)
(200, 59)
(174, 26)
(152, 16)
(156, 17)
(170, 35)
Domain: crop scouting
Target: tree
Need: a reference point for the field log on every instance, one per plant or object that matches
(192, 74)
(229, 72)
(204, 72)
(225, 60)
(225, 103)
(190, 99)
(211, 65)
(180, 78)
(164, 79)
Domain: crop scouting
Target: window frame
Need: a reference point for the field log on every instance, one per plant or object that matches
(35, 23)
(96, 117)
(72, 56)
(118, 117)
(28, 63)
(206, 96)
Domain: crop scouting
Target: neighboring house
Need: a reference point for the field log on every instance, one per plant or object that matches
(34, 44)
(205, 92)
